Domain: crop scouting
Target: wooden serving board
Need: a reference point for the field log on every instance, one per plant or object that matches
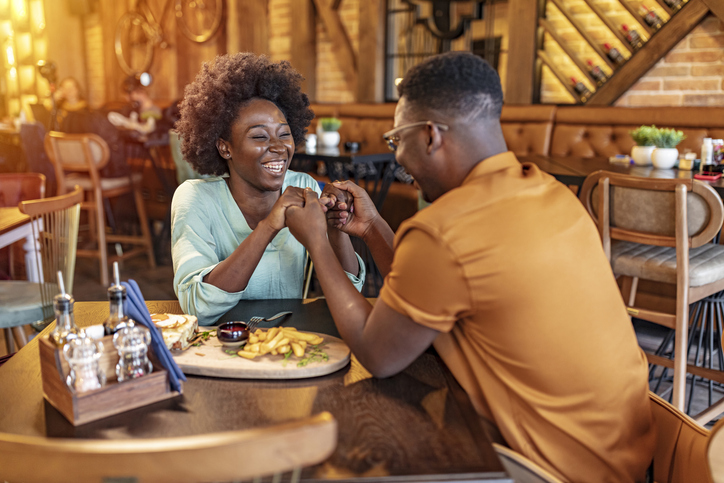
(216, 363)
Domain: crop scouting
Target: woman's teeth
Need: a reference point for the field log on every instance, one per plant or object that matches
(274, 167)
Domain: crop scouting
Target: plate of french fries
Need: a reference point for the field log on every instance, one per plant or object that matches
(275, 353)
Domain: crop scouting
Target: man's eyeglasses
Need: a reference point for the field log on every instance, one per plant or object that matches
(393, 138)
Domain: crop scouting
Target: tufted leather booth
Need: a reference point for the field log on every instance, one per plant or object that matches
(604, 131)
(527, 129)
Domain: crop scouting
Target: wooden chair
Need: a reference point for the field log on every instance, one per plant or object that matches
(680, 453)
(227, 456)
(14, 188)
(715, 452)
(77, 159)
(659, 229)
(54, 223)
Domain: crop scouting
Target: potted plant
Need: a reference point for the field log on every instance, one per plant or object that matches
(641, 153)
(330, 127)
(665, 155)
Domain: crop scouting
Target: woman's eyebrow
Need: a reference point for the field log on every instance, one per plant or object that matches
(264, 125)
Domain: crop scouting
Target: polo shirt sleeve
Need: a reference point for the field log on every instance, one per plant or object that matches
(426, 282)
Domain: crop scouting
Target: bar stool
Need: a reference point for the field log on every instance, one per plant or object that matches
(78, 158)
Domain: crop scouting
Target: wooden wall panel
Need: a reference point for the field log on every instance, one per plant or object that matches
(304, 44)
(250, 32)
(371, 69)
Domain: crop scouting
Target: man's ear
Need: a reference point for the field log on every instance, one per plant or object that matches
(434, 139)
(224, 148)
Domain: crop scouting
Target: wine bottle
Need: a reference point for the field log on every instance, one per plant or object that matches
(597, 73)
(614, 54)
(633, 37)
(651, 18)
(673, 4)
(581, 89)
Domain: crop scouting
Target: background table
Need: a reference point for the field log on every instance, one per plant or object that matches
(416, 426)
(571, 170)
(15, 226)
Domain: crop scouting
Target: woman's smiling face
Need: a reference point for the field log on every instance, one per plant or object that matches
(261, 146)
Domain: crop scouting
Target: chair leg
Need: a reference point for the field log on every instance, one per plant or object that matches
(19, 335)
(102, 246)
(145, 230)
(680, 346)
(9, 344)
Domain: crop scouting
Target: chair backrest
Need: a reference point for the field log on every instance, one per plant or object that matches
(55, 224)
(680, 454)
(184, 170)
(85, 152)
(652, 211)
(17, 187)
(32, 135)
(715, 452)
(227, 456)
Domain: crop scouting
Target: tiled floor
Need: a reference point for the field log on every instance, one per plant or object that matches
(157, 284)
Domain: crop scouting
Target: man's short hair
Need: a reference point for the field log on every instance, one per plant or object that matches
(456, 84)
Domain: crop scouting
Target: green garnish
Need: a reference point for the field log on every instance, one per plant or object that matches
(316, 354)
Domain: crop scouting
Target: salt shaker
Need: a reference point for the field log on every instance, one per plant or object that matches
(83, 354)
(132, 346)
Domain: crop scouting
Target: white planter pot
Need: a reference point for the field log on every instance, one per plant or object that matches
(330, 139)
(641, 155)
(664, 158)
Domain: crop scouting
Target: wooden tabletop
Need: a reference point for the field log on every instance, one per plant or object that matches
(416, 425)
(11, 218)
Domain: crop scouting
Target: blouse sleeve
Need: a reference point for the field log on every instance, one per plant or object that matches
(194, 256)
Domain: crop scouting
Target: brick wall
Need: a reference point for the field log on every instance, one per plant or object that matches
(331, 86)
(280, 29)
(690, 75)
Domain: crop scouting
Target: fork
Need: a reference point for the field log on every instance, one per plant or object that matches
(254, 321)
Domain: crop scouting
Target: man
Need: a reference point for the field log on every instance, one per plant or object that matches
(504, 273)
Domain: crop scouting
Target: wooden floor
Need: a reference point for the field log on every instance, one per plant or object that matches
(157, 284)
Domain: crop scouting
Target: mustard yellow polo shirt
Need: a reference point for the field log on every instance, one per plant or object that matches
(509, 268)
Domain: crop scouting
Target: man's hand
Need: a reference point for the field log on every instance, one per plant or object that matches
(307, 223)
(352, 211)
(292, 196)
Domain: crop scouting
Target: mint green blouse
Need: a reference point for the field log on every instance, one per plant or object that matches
(207, 226)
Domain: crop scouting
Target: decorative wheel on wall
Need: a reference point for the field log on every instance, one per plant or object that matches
(138, 32)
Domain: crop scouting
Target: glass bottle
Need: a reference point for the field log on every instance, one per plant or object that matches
(581, 89)
(132, 346)
(83, 354)
(651, 18)
(597, 73)
(673, 4)
(614, 54)
(65, 328)
(633, 37)
(117, 319)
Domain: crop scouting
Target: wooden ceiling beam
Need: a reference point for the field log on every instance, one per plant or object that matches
(304, 46)
(671, 33)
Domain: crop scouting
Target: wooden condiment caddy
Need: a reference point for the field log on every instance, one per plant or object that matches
(113, 398)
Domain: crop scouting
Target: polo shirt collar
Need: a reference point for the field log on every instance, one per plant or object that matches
(492, 164)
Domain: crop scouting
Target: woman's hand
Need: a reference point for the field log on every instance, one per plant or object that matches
(349, 208)
(292, 196)
(307, 223)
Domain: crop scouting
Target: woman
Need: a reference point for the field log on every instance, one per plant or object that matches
(240, 121)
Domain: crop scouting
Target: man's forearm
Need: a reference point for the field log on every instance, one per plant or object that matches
(348, 307)
(379, 239)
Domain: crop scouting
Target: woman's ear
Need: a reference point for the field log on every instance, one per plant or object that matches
(223, 148)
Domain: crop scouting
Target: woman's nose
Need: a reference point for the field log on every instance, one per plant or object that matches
(277, 145)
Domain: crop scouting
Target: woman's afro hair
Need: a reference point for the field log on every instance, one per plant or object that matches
(211, 104)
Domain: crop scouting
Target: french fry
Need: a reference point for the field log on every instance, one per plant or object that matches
(311, 338)
(284, 349)
(297, 349)
(270, 344)
(283, 342)
(253, 339)
(303, 343)
(271, 333)
(247, 355)
(252, 347)
(260, 334)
